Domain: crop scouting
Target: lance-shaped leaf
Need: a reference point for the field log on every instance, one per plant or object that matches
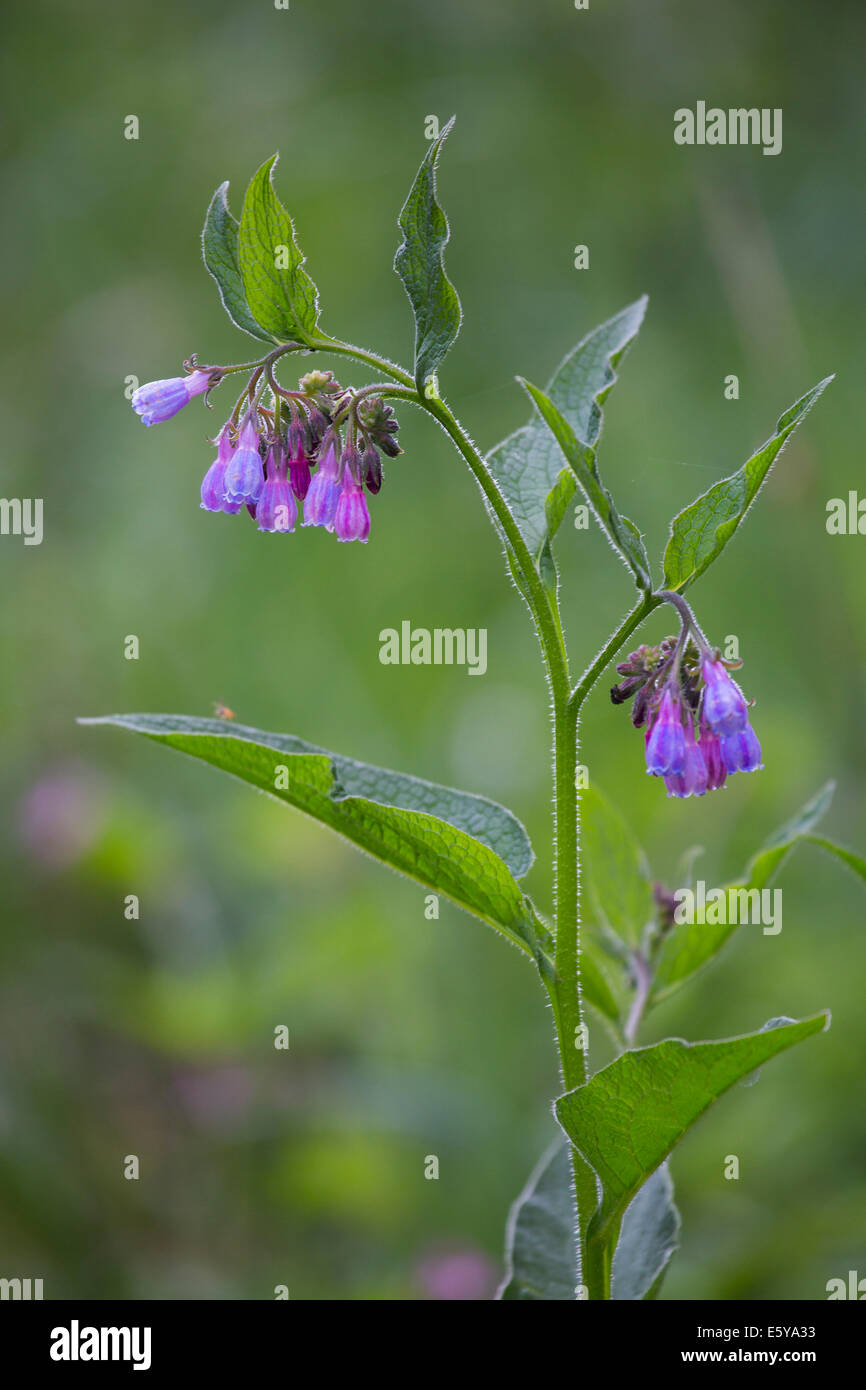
(219, 244)
(648, 1239)
(855, 862)
(700, 533)
(540, 1245)
(419, 263)
(279, 292)
(620, 531)
(528, 465)
(596, 986)
(764, 866)
(463, 846)
(629, 1116)
(615, 869)
(688, 946)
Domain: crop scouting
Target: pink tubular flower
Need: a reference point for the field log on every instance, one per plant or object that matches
(159, 400)
(352, 521)
(276, 509)
(711, 748)
(299, 463)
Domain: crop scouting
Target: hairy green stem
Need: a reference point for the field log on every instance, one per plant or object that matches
(595, 1248)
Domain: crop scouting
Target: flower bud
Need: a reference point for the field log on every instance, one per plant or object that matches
(372, 469)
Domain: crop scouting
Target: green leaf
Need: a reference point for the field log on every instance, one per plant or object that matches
(219, 243)
(528, 465)
(279, 292)
(540, 1248)
(420, 265)
(463, 846)
(540, 1245)
(700, 533)
(615, 869)
(648, 1240)
(688, 947)
(622, 533)
(629, 1116)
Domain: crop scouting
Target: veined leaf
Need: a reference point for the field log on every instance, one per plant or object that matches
(528, 465)
(629, 1116)
(462, 846)
(281, 296)
(219, 243)
(419, 263)
(700, 533)
(622, 533)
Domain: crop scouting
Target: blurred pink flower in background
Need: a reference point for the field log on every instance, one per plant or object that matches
(61, 816)
(457, 1275)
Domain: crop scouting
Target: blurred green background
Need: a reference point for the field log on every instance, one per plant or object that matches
(408, 1037)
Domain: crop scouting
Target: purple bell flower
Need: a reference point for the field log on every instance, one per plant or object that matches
(244, 477)
(159, 400)
(742, 752)
(666, 740)
(724, 708)
(694, 779)
(276, 509)
(352, 521)
(320, 505)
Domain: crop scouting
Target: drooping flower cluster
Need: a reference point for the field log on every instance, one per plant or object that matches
(695, 716)
(319, 446)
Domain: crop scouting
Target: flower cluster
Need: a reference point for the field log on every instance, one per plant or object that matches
(695, 716)
(319, 446)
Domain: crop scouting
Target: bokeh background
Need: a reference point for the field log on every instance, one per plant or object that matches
(408, 1037)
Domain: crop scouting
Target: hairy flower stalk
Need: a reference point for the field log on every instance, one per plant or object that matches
(268, 467)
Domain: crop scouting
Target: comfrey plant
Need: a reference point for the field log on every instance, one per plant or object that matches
(596, 1219)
